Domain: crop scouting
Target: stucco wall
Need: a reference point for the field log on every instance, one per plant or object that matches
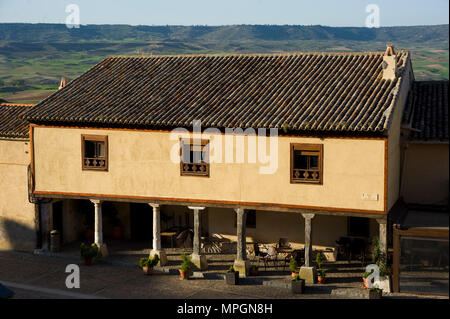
(394, 141)
(426, 176)
(17, 215)
(140, 165)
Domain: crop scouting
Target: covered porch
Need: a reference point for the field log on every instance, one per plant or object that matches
(219, 237)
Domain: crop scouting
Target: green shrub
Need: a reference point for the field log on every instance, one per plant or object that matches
(231, 269)
(89, 252)
(149, 261)
(320, 259)
(297, 278)
(321, 272)
(293, 265)
(186, 262)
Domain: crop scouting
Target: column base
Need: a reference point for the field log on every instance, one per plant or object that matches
(162, 256)
(242, 266)
(199, 262)
(308, 274)
(103, 249)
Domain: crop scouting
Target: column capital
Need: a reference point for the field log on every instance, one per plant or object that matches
(239, 210)
(308, 216)
(96, 201)
(154, 205)
(382, 220)
(196, 208)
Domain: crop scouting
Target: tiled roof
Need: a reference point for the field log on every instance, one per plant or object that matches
(11, 123)
(427, 110)
(306, 91)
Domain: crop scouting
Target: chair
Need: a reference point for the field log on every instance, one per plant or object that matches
(283, 243)
(272, 255)
(258, 255)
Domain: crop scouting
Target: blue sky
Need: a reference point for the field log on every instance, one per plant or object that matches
(214, 12)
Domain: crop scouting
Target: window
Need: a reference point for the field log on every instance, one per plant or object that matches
(250, 220)
(94, 150)
(194, 158)
(306, 163)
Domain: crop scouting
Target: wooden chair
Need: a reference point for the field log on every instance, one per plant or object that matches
(272, 256)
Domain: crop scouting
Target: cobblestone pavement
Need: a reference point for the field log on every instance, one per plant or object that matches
(33, 276)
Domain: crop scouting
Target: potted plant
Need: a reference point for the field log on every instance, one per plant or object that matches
(298, 285)
(293, 266)
(232, 276)
(380, 259)
(321, 276)
(147, 264)
(185, 267)
(375, 293)
(89, 252)
(320, 259)
(254, 271)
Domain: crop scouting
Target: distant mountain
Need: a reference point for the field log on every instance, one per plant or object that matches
(21, 32)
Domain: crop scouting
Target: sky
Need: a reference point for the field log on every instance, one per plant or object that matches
(226, 12)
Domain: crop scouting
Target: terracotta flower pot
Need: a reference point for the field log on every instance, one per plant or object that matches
(184, 275)
(147, 270)
(365, 282)
(321, 279)
(88, 261)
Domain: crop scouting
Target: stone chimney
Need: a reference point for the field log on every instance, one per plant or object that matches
(389, 64)
(63, 83)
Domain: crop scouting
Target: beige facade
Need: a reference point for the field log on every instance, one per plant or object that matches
(140, 166)
(425, 174)
(17, 214)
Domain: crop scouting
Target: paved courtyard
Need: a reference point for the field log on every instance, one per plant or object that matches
(35, 276)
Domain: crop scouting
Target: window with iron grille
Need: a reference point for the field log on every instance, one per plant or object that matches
(94, 152)
(194, 157)
(307, 163)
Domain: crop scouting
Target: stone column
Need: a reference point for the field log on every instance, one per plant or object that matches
(46, 224)
(383, 236)
(241, 263)
(307, 271)
(198, 259)
(156, 248)
(98, 231)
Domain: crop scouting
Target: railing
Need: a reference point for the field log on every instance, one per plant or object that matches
(200, 169)
(94, 163)
(306, 175)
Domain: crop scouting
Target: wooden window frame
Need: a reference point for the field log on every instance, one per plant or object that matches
(306, 147)
(184, 172)
(94, 138)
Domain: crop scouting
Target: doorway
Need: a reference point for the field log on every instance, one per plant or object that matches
(141, 220)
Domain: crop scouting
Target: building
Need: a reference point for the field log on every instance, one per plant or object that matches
(17, 214)
(104, 151)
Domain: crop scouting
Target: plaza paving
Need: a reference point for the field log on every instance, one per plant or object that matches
(39, 276)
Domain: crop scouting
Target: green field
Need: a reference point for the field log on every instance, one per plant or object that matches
(40, 64)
